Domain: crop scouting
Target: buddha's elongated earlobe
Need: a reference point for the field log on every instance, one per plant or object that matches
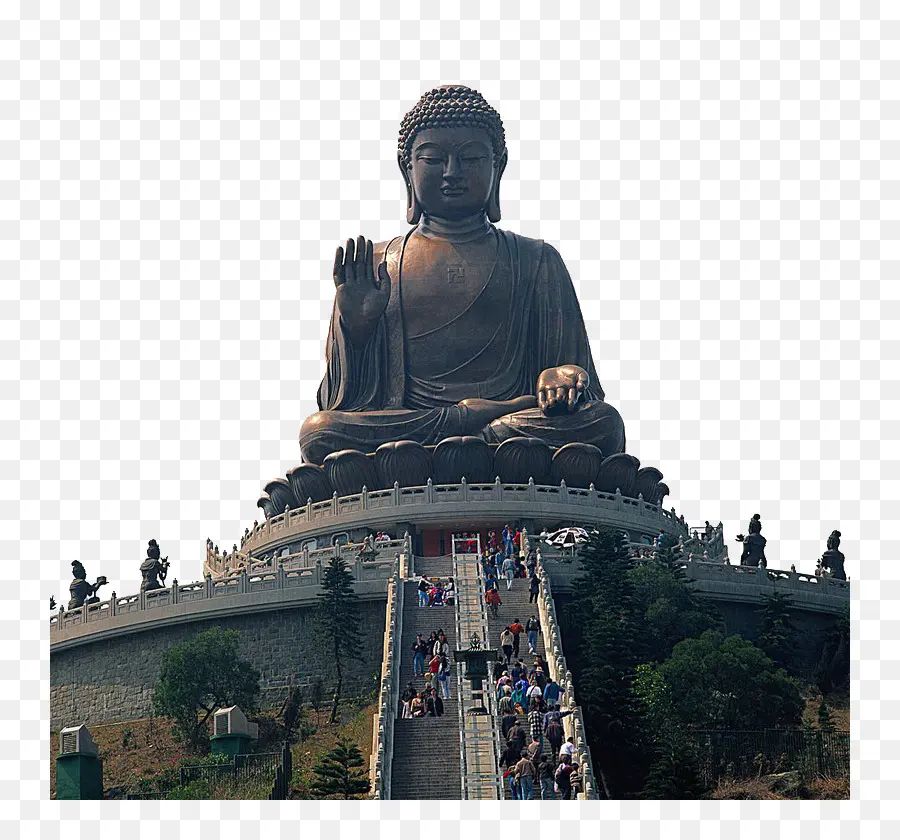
(493, 205)
(413, 211)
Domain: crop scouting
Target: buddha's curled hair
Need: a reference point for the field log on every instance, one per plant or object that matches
(451, 106)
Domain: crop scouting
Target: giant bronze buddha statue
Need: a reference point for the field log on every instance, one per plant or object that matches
(456, 327)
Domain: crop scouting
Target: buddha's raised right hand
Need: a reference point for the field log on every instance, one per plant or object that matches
(361, 300)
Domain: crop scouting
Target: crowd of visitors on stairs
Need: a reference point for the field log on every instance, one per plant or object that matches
(544, 767)
(431, 663)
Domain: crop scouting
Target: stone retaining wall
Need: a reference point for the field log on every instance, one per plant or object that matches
(112, 679)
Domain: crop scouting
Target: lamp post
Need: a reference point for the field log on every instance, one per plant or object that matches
(476, 660)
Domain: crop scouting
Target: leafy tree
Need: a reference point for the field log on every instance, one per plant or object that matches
(337, 616)
(674, 763)
(338, 773)
(669, 609)
(727, 683)
(777, 633)
(202, 675)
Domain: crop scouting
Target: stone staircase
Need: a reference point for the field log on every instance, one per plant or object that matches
(515, 605)
(426, 750)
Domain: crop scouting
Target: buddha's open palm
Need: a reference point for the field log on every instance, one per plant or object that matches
(561, 387)
(361, 299)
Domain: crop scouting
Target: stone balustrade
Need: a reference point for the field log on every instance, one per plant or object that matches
(182, 601)
(728, 582)
(389, 693)
(222, 565)
(572, 724)
(374, 508)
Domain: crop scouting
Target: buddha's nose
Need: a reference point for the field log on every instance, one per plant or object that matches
(452, 170)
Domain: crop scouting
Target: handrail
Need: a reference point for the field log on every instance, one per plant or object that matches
(572, 724)
(388, 700)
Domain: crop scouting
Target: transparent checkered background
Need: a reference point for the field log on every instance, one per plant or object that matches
(174, 183)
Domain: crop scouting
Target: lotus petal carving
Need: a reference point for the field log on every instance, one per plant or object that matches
(618, 471)
(309, 481)
(267, 506)
(520, 458)
(349, 471)
(462, 456)
(646, 481)
(577, 464)
(659, 493)
(279, 491)
(403, 461)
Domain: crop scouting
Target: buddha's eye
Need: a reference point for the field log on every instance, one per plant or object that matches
(431, 161)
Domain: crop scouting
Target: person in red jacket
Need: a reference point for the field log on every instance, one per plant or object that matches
(493, 600)
(516, 629)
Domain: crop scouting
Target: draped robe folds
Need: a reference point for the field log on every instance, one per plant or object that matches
(369, 395)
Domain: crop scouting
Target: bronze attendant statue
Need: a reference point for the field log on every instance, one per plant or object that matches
(456, 327)
(833, 558)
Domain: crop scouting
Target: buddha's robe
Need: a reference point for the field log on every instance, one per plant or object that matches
(457, 329)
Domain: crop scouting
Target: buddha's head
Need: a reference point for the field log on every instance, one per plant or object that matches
(452, 153)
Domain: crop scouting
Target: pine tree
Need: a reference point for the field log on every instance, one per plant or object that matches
(825, 719)
(338, 773)
(337, 617)
(777, 633)
(609, 648)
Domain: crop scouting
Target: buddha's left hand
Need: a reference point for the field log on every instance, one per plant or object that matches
(561, 386)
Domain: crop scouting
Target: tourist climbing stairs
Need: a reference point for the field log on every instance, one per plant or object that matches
(425, 762)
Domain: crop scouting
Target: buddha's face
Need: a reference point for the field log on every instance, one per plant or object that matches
(453, 171)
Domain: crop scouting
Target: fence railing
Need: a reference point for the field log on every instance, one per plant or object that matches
(241, 583)
(572, 724)
(637, 510)
(246, 776)
(741, 754)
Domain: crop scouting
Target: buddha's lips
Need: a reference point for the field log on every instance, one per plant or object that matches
(453, 190)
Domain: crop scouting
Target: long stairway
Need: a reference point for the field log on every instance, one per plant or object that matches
(426, 750)
(515, 606)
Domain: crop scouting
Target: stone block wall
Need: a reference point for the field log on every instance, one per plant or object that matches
(112, 680)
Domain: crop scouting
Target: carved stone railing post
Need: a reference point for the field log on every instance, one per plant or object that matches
(532, 491)
(334, 503)
(364, 497)
(429, 491)
(279, 576)
(244, 585)
(563, 490)
(619, 505)
(112, 603)
(497, 490)
(175, 590)
(309, 509)
(465, 489)
(305, 557)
